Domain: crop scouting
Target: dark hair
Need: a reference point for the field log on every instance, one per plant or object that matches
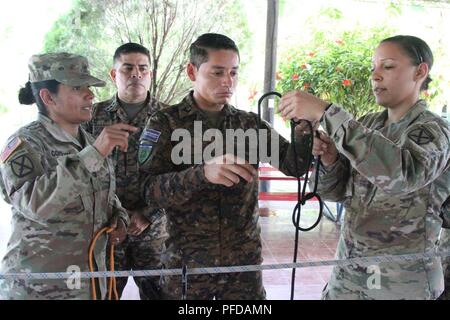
(130, 47)
(417, 50)
(30, 93)
(213, 41)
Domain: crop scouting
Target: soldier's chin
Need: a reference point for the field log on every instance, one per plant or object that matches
(223, 100)
(86, 117)
(381, 102)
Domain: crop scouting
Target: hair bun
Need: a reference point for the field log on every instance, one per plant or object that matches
(26, 94)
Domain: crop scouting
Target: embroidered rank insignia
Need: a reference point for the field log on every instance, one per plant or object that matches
(9, 149)
(144, 153)
(150, 135)
(22, 166)
(421, 136)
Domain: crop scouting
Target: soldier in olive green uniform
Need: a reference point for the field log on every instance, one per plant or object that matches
(133, 105)
(58, 182)
(390, 169)
(211, 206)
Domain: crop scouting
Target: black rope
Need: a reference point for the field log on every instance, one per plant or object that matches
(302, 196)
(184, 282)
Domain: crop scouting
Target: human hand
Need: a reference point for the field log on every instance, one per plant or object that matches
(119, 232)
(228, 169)
(138, 223)
(113, 136)
(325, 148)
(301, 105)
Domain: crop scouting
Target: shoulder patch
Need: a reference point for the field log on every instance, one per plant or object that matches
(150, 135)
(22, 166)
(10, 148)
(144, 153)
(421, 136)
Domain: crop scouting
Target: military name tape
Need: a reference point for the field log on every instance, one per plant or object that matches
(229, 269)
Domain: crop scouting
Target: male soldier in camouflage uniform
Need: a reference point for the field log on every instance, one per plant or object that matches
(58, 182)
(391, 171)
(211, 206)
(133, 105)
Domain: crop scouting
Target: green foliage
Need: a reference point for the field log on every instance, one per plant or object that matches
(334, 62)
(334, 68)
(95, 28)
(81, 31)
(394, 8)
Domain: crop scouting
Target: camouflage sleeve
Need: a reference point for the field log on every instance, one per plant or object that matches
(163, 186)
(445, 214)
(444, 244)
(332, 180)
(444, 241)
(292, 158)
(419, 157)
(38, 191)
(119, 211)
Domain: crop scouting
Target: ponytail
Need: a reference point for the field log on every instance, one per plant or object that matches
(26, 94)
(30, 93)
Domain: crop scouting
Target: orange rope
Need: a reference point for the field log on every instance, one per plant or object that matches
(112, 280)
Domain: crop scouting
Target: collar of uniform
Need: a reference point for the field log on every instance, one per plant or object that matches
(190, 107)
(414, 112)
(381, 119)
(56, 131)
(115, 105)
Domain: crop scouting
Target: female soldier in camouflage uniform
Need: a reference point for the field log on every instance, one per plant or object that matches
(59, 183)
(390, 169)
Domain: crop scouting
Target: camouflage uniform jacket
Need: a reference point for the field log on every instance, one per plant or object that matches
(392, 181)
(61, 192)
(110, 112)
(444, 245)
(208, 224)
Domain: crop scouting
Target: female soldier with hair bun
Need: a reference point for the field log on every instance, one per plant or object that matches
(59, 182)
(391, 171)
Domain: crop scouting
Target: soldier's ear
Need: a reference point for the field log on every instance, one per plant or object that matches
(113, 74)
(47, 97)
(191, 71)
(421, 72)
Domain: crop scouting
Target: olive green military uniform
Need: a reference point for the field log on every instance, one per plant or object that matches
(392, 181)
(140, 252)
(209, 225)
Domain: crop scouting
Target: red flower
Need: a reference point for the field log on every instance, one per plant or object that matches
(311, 54)
(306, 86)
(346, 82)
(304, 66)
(339, 41)
(295, 76)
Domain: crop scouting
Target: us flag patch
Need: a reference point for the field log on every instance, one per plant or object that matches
(9, 149)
